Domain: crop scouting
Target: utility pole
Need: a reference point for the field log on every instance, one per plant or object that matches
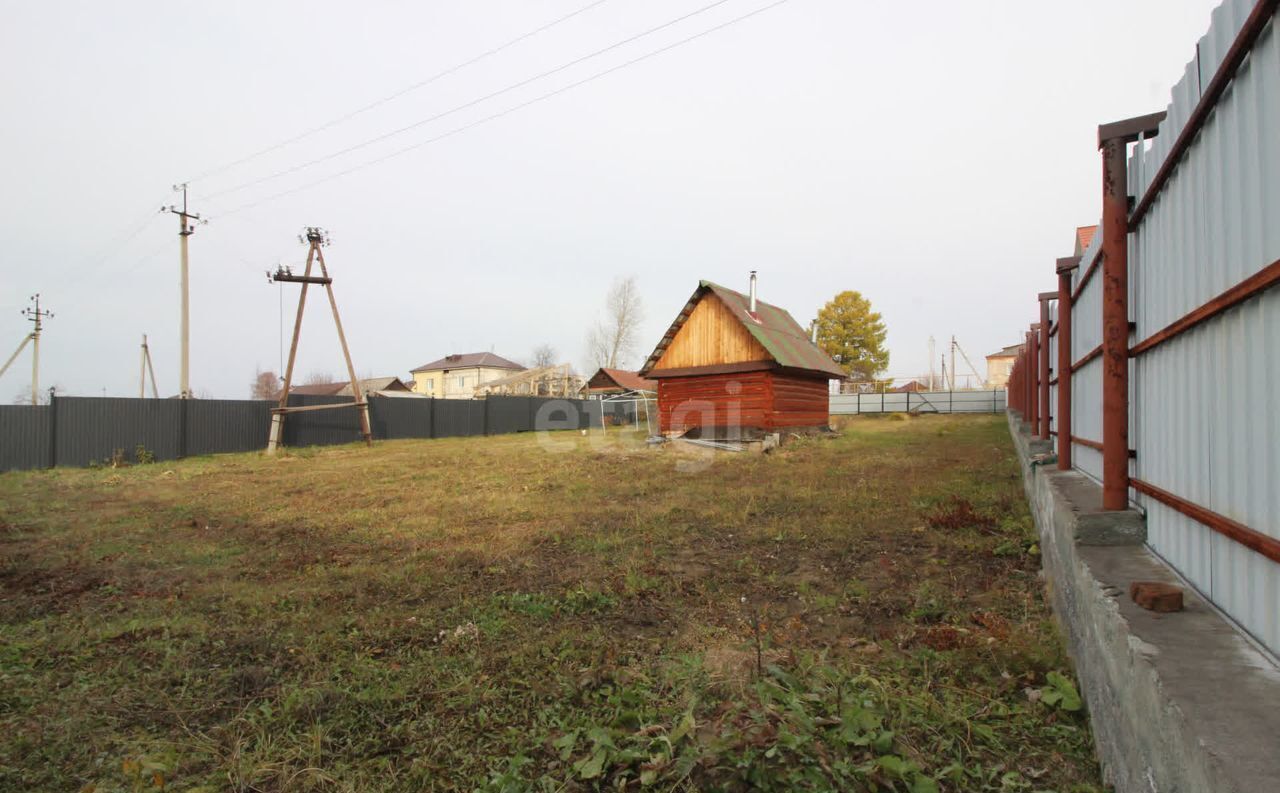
(953, 363)
(36, 315)
(316, 239)
(956, 346)
(144, 368)
(185, 230)
(932, 348)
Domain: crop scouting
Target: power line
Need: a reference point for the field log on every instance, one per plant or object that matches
(408, 89)
(465, 105)
(111, 249)
(502, 113)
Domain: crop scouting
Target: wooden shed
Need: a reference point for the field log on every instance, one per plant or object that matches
(618, 381)
(726, 365)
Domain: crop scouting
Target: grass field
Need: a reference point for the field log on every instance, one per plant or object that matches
(861, 613)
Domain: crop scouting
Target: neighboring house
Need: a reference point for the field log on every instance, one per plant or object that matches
(456, 376)
(618, 381)
(911, 386)
(999, 364)
(1084, 236)
(732, 362)
(372, 385)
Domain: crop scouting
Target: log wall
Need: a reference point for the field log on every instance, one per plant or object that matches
(765, 400)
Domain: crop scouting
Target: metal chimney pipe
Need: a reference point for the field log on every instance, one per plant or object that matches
(753, 291)
(813, 331)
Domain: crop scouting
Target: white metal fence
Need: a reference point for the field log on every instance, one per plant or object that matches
(1204, 354)
(919, 402)
(1194, 419)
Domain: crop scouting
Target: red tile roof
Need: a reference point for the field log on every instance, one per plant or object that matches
(628, 381)
(1084, 236)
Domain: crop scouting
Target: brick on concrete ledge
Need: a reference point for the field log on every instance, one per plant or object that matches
(1156, 596)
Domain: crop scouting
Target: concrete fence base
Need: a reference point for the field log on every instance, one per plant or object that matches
(1180, 702)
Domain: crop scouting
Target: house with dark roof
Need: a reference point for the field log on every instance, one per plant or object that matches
(618, 381)
(373, 385)
(732, 364)
(457, 376)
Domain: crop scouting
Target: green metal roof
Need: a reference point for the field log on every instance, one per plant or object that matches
(775, 329)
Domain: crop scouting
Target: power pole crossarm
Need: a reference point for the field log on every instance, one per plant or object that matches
(36, 315)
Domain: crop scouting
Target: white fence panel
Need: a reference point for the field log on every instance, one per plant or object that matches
(1200, 423)
(921, 402)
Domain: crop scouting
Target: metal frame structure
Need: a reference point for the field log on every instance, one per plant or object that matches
(634, 397)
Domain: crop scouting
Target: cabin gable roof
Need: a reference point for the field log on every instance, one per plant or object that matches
(779, 337)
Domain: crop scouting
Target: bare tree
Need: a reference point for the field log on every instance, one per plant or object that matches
(612, 341)
(319, 377)
(543, 355)
(23, 397)
(266, 385)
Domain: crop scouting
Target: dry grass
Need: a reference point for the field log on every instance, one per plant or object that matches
(438, 614)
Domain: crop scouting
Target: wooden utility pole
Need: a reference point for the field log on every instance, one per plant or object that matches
(316, 239)
(22, 346)
(955, 345)
(146, 367)
(185, 230)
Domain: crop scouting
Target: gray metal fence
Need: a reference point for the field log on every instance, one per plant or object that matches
(919, 402)
(80, 431)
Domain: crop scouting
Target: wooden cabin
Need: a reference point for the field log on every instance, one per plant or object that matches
(724, 366)
(618, 381)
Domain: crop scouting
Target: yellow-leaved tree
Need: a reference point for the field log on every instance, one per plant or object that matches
(851, 333)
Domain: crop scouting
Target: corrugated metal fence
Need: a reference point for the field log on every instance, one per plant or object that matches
(1203, 343)
(919, 402)
(80, 431)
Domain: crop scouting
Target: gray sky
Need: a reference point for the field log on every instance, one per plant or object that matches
(935, 156)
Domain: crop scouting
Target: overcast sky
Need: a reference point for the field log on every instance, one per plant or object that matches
(935, 156)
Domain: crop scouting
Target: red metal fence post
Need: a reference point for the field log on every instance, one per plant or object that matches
(1022, 380)
(1019, 386)
(1043, 362)
(1113, 140)
(1016, 388)
(1033, 355)
(1115, 326)
(1012, 386)
(1027, 377)
(1064, 268)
